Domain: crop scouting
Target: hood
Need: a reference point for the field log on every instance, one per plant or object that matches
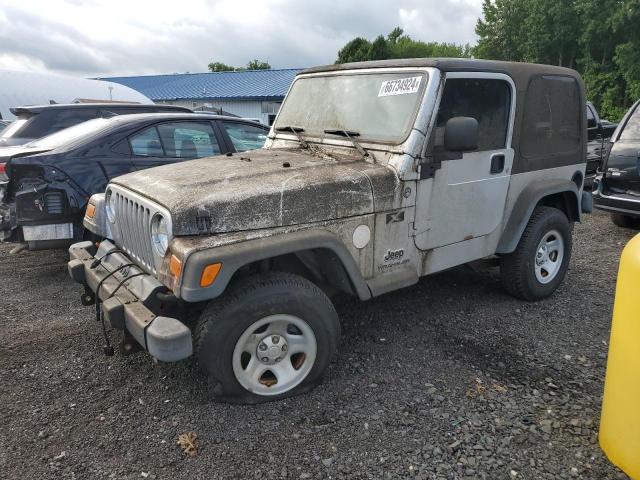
(257, 189)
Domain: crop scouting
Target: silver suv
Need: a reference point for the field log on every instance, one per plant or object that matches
(374, 175)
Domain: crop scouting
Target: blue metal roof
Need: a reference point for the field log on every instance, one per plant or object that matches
(243, 85)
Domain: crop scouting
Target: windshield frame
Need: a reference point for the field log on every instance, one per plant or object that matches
(322, 138)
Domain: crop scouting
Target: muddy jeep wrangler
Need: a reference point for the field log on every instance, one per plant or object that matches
(374, 175)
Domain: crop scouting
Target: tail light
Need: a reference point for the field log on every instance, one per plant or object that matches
(3, 171)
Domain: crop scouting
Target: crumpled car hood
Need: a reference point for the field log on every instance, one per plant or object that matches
(258, 189)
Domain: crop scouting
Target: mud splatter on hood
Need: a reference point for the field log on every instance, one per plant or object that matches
(258, 189)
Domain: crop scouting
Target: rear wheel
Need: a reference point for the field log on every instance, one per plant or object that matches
(541, 259)
(625, 221)
(270, 337)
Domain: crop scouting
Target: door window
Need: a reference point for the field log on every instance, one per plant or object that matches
(552, 117)
(147, 144)
(245, 137)
(486, 100)
(188, 139)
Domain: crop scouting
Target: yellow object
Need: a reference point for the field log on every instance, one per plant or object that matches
(91, 210)
(175, 266)
(620, 423)
(209, 274)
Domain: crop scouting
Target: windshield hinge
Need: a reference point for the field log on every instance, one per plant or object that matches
(428, 167)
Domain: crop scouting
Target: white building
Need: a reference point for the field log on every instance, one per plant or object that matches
(248, 93)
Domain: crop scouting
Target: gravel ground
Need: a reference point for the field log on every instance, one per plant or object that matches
(448, 379)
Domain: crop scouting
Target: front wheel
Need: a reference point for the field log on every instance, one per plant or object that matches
(541, 259)
(270, 337)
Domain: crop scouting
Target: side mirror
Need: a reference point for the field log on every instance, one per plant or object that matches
(461, 134)
(591, 123)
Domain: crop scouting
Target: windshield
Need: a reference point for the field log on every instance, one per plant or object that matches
(631, 130)
(378, 106)
(69, 134)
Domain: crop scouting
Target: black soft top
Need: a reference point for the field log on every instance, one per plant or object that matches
(519, 72)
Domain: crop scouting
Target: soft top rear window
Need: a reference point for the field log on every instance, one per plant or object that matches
(552, 117)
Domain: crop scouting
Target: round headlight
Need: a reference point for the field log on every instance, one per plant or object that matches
(110, 206)
(159, 234)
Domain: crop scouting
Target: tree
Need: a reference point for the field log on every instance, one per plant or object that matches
(599, 38)
(397, 45)
(258, 65)
(220, 67)
(355, 50)
(500, 30)
(395, 34)
(627, 54)
(252, 65)
(379, 49)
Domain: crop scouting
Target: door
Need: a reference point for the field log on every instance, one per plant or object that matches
(623, 164)
(464, 196)
(173, 142)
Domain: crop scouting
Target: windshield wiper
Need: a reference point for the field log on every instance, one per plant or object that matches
(296, 131)
(350, 134)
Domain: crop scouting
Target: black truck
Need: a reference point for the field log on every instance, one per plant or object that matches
(617, 188)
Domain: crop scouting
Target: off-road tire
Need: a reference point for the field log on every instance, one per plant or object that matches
(518, 268)
(625, 221)
(224, 320)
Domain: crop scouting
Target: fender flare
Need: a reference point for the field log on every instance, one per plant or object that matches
(237, 255)
(527, 201)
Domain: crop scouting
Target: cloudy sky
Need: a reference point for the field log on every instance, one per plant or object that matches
(123, 37)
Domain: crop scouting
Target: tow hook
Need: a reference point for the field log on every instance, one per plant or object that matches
(129, 345)
(87, 298)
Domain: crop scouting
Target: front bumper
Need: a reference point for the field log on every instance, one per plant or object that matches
(128, 298)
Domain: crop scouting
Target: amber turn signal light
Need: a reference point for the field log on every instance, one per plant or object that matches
(91, 210)
(175, 266)
(209, 274)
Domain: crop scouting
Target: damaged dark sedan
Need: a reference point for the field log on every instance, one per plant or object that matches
(45, 184)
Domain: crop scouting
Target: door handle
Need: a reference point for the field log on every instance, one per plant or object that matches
(497, 163)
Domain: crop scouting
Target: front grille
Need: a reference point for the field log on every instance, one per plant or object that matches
(132, 232)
